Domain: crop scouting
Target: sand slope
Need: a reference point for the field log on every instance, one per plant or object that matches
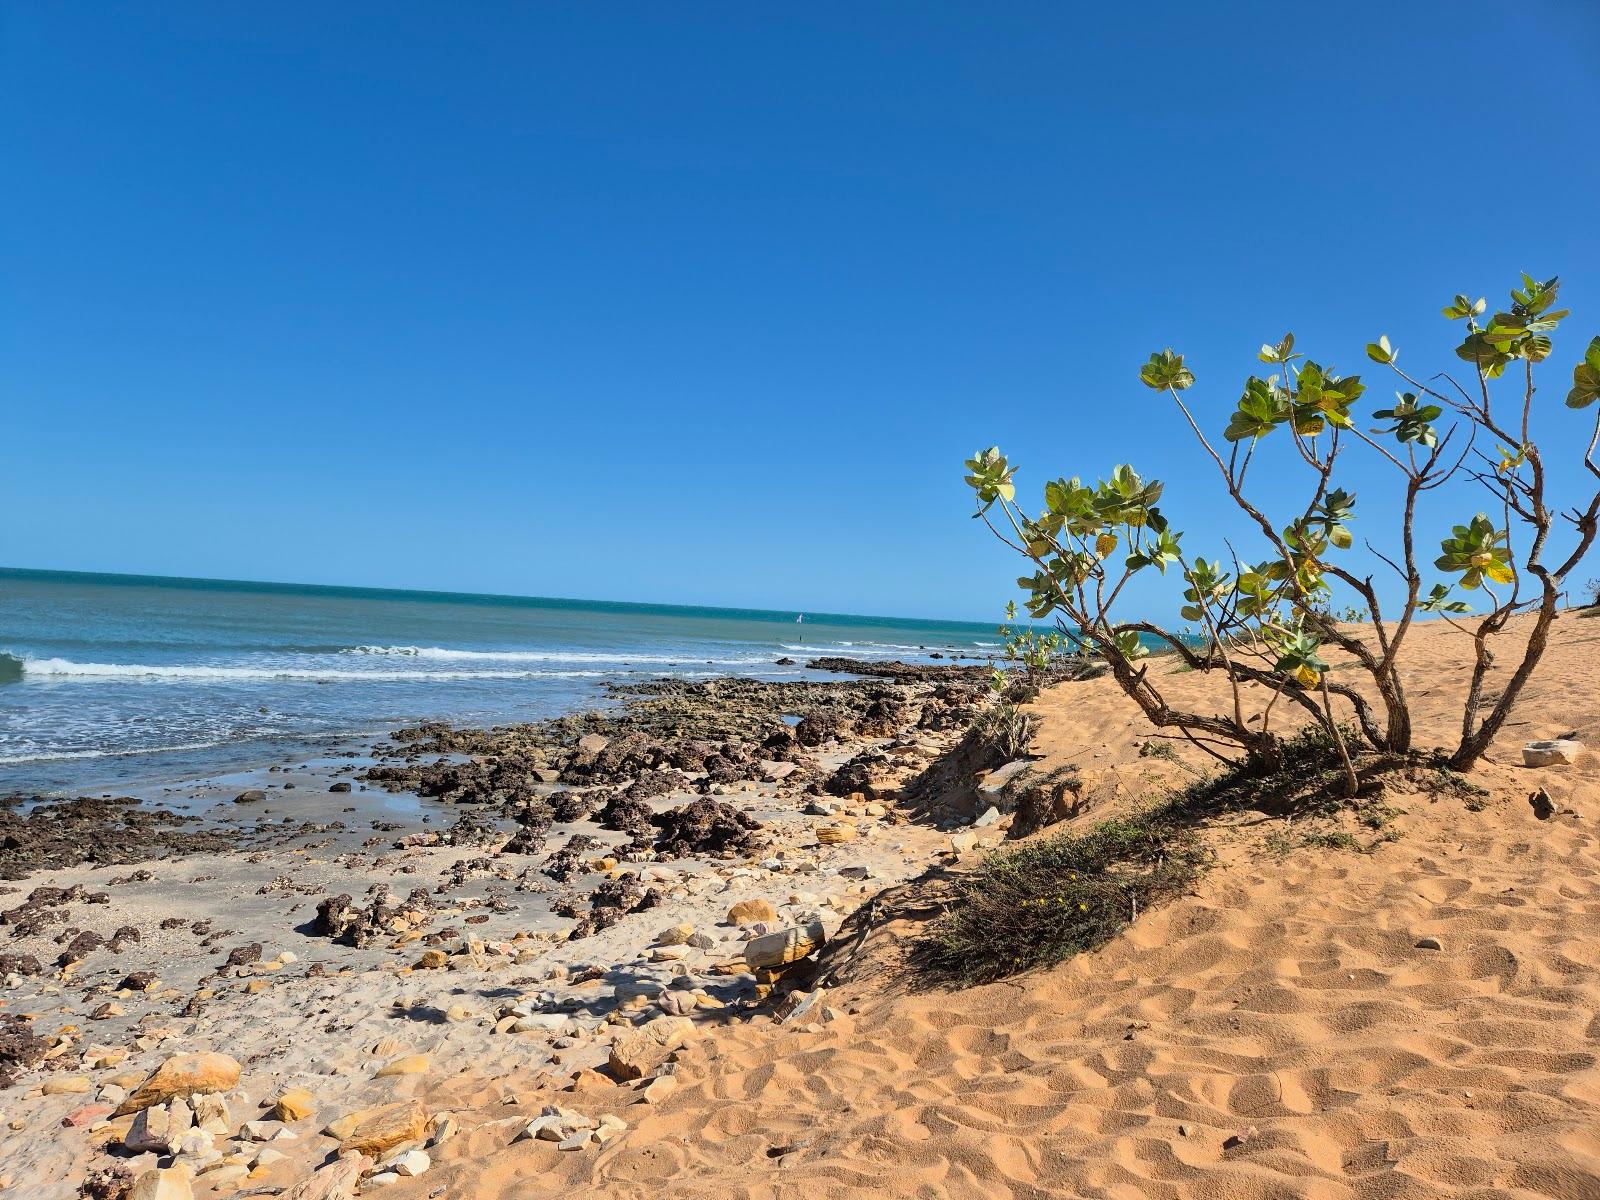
(1287, 995)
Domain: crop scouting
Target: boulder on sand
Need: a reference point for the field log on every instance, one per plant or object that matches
(785, 947)
(374, 1130)
(183, 1075)
(639, 1051)
(336, 1181)
(750, 912)
(1554, 752)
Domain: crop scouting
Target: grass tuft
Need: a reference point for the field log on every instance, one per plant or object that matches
(1042, 901)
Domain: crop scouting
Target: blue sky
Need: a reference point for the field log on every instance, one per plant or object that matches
(706, 303)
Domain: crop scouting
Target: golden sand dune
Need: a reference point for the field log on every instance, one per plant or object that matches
(1285, 1005)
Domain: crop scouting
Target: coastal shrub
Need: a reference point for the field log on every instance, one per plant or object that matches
(1007, 728)
(1045, 900)
(1270, 623)
(1042, 901)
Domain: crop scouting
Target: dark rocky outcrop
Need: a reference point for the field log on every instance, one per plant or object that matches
(98, 831)
(705, 828)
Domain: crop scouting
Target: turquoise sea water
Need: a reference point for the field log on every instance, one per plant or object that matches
(110, 678)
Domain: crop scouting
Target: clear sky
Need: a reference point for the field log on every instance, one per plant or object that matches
(706, 303)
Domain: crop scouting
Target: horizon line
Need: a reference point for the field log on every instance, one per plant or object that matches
(123, 576)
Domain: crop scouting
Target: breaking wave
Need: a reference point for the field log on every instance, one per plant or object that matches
(623, 657)
(61, 668)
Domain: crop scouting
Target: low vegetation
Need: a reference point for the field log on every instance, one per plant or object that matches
(1046, 899)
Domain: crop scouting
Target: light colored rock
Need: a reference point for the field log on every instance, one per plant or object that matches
(751, 912)
(989, 816)
(442, 1128)
(637, 1052)
(1556, 752)
(158, 1129)
(375, 1130)
(676, 1002)
(183, 1075)
(211, 1113)
(382, 1179)
(784, 947)
(163, 1183)
(992, 783)
(409, 1164)
(336, 1181)
(557, 1023)
(676, 935)
(833, 835)
(197, 1143)
(68, 1085)
(658, 1089)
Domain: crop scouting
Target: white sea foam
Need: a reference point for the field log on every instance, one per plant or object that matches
(624, 657)
(63, 755)
(62, 668)
(873, 650)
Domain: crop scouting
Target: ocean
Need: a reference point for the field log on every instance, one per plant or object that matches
(111, 680)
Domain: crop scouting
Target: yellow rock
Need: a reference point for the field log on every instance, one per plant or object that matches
(432, 960)
(832, 835)
(409, 1064)
(296, 1104)
(183, 1075)
(374, 1130)
(749, 912)
(67, 1085)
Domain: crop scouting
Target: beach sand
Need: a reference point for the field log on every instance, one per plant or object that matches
(1277, 1033)
(1286, 996)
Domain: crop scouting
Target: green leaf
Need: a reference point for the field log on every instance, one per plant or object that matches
(1166, 370)
(1380, 351)
(1586, 378)
(1475, 551)
(990, 476)
(1413, 421)
(1438, 601)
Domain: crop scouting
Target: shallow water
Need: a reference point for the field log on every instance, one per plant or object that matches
(106, 679)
